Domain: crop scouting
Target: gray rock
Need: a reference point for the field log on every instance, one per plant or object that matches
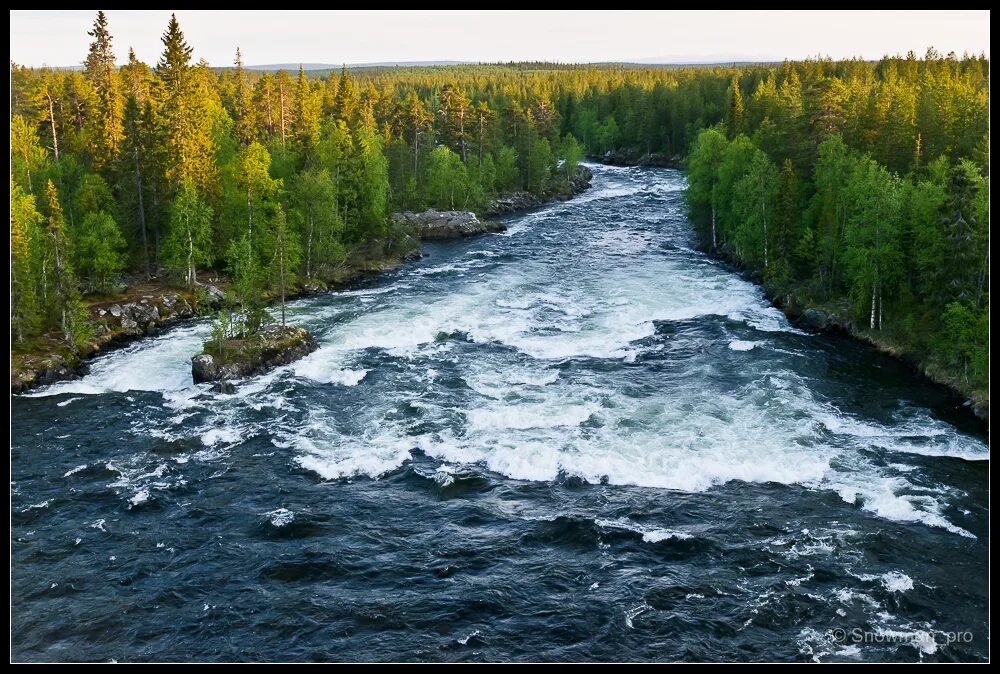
(213, 297)
(116, 310)
(182, 309)
(225, 387)
(151, 328)
(434, 225)
(203, 368)
(143, 312)
(130, 326)
(814, 319)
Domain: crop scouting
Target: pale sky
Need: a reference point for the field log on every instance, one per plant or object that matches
(59, 37)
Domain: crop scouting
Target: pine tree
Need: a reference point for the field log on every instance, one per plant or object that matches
(346, 103)
(66, 297)
(483, 114)
(48, 96)
(132, 173)
(786, 219)
(283, 91)
(24, 220)
(102, 72)
(190, 146)
(734, 113)
(244, 118)
(305, 121)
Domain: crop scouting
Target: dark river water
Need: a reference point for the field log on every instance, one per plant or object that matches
(579, 440)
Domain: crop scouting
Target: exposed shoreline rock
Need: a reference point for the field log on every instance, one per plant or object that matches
(434, 225)
(636, 157)
(273, 346)
(28, 372)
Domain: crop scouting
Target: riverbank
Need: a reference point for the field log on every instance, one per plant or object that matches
(836, 317)
(142, 309)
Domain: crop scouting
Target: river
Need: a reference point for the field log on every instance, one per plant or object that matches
(578, 440)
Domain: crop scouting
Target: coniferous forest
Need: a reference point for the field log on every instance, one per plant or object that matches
(855, 187)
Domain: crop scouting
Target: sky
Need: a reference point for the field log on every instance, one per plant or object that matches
(59, 37)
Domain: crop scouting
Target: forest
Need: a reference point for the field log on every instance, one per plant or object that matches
(853, 185)
(862, 189)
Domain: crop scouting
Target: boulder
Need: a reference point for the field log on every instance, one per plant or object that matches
(436, 225)
(214, 296)
(143, 312)
(814, 319)
(203, 368)
(115, 310)
(130, 327)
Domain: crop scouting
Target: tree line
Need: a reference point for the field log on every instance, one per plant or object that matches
(863, 188)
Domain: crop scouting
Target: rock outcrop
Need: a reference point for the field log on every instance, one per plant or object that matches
(273, 346)
(122, 320)
(431, 225)
(637, 157)
(29, 372)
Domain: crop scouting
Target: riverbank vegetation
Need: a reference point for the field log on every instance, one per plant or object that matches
(861, 191)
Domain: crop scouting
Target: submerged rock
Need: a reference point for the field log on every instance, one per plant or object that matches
(433, 225)
(225, 386)
(273, 346)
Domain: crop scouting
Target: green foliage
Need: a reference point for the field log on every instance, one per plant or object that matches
(446, 179)
(285, 257)
(64, 309)
(572, 153)
(24, 243)
(248, 315)
(189, 238)
(100, 248)
(313, 213)
(908, 252)
(26, 154)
